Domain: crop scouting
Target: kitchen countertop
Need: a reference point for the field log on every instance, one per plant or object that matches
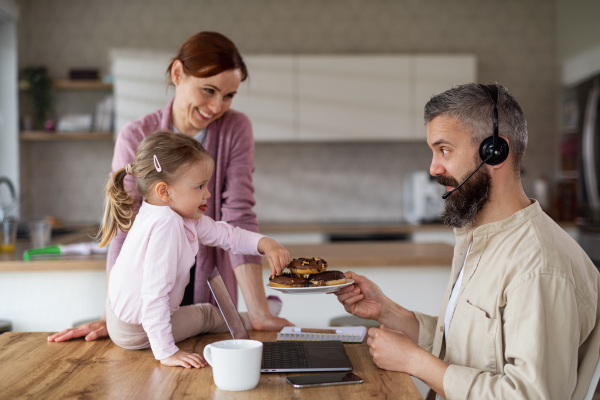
(354, 227)
(102, 370)
(366, 227)
(337, 255)
(13, 262)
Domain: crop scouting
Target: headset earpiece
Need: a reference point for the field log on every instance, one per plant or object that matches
(499, 155)
(493, 150)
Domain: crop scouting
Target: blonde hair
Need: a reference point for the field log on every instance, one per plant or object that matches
(173, 151)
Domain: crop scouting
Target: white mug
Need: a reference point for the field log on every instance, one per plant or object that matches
(235, 363)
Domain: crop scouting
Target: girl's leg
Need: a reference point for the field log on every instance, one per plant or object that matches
(127, 336)
(192, 320)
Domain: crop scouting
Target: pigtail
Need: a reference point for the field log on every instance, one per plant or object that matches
(118, 209)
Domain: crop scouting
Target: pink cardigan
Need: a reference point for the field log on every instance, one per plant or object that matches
(229, 141)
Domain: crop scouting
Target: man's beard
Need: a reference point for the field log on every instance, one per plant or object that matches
(462, 206)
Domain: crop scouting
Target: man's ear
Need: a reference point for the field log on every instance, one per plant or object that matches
(162, 191)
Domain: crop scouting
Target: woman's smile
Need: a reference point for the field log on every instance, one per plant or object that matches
(203, 115)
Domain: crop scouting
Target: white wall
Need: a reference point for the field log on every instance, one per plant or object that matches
(9, 139)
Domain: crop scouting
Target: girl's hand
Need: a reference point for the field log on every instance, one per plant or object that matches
(277, 255)
(185, 359)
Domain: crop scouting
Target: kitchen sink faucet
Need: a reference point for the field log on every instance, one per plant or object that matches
(6, 209)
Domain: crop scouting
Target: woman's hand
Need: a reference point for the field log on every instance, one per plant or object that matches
(277, 255)
(270, 323)
(363, 298)
(185, 359)
(91, 331)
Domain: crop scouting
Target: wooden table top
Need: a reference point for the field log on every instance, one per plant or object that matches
(31, 367)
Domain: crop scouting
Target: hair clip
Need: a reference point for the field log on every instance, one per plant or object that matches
(157, 164)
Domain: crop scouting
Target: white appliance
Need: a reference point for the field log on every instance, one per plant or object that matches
(422, 198)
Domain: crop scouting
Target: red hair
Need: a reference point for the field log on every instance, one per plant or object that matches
(207, 54)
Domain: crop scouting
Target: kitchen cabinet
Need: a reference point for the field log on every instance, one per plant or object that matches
(348, 98)
(267, 97)
(311, 98)
(141, 84)
(434, 74)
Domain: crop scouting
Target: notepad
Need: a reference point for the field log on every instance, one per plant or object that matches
(348, 334)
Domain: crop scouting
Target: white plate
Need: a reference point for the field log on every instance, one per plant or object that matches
(311, 290)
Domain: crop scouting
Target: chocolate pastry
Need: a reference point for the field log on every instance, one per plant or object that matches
(328, 278)
(288, 280)
(304, 266)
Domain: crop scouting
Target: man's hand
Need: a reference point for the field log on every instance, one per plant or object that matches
(363, 298)
(396, 351)
(185, 359)
(277, 255)
(270, 323)
(91, 331)
(392, 350)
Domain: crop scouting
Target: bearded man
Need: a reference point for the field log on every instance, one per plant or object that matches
(519, 319)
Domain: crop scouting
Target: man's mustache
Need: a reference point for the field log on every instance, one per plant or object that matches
(447, 181)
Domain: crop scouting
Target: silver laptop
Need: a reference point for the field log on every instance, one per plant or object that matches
(281, 356)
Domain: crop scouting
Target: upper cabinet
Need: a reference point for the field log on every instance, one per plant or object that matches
(434, 74)
(267, 97)
(348, 98)
(141, 84)
(302, 98)
(335, 98)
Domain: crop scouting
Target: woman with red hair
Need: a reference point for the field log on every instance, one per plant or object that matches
(206, 74)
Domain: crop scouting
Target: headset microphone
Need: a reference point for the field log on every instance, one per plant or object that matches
(445, 195)
(493, 150)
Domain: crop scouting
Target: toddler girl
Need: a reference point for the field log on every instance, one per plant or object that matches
(148, 280)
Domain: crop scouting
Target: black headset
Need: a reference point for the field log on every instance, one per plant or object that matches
(494, 149)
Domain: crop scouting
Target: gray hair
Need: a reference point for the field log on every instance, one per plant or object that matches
(472, 106)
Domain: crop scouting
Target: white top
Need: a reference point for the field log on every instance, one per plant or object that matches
(452, 302)
(454, 295)
(148, 279)
(200, 136)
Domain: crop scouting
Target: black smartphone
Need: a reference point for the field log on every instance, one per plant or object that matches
(343, 378)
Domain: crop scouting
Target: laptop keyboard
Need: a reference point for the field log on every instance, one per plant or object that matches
(280, 355)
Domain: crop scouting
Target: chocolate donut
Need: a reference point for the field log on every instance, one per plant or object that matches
(307, 266)
(328, 278)
(288, 280)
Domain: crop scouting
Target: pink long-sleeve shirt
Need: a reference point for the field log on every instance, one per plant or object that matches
(229, 141)
(148, 279)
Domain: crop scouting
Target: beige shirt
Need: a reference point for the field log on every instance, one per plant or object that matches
(524, 326)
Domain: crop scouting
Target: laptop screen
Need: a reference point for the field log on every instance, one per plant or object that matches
(225, 303)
